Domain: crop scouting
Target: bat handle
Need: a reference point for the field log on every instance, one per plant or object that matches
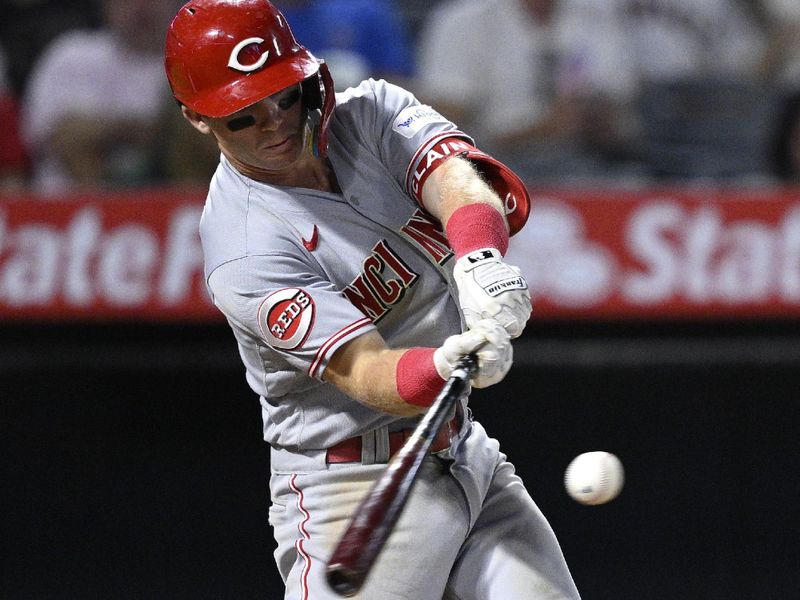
(468, 364)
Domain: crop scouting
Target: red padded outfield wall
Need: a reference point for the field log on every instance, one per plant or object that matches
(587, 253)
(112, 256)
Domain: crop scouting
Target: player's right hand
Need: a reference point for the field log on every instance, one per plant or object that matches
(489, 341)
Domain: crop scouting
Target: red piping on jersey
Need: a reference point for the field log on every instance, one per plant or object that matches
(304, 536)
(331, 341)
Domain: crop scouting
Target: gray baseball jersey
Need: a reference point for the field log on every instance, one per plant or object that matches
(299, 272)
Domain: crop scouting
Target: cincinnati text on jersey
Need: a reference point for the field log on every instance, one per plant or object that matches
(385, 277)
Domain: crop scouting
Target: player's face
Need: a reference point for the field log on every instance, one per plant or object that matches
(268, 135)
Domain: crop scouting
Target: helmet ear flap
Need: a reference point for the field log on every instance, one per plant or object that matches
(319, 95)
(312, 92)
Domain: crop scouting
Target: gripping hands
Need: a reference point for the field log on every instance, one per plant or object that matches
(489, 288)
(489, 341)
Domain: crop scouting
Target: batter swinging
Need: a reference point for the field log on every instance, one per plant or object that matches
(355, 244)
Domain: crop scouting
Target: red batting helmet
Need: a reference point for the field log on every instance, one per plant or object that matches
(224, 55)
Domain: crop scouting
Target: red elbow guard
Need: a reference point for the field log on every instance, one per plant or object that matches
(504, 181)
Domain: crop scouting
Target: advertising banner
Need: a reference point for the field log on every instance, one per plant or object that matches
(662, 253)
(130, 256)
(593, 254)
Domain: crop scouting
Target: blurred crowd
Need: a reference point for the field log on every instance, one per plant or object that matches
(564, 91)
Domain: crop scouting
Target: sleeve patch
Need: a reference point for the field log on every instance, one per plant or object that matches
(412, 119)
(286, 317)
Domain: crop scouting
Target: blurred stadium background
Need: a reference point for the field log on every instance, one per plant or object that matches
(666, 329)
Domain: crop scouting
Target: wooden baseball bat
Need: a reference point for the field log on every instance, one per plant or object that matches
(378, 512)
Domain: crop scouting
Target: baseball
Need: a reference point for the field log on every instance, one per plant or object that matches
(594, 477)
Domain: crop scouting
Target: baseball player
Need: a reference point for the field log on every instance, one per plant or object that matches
(355, 243)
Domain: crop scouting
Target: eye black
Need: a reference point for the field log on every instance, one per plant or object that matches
(289, 101)
(241, 123)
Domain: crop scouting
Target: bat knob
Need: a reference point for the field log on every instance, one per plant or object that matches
(343, 581)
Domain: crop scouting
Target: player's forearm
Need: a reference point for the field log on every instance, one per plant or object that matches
(467, 206)
(407, 381)
(478, 231)
(366, 370)
(454, 184)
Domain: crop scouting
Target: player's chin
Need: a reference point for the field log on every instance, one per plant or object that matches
(287, 146)
(282, 154)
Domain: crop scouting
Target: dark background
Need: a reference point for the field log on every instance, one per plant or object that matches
(133, 466)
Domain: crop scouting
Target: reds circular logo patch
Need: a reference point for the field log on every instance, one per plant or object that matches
(286, 317)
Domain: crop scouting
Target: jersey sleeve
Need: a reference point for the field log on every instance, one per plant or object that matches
(287, 307)
(391, 123)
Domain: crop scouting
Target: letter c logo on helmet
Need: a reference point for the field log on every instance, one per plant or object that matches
(234, 62)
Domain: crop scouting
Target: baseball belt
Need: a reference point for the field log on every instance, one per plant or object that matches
(350, 449)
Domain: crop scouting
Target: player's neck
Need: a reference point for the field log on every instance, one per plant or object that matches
(308, 172)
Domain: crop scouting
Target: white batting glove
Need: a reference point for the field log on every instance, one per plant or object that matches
(490, 288)
(489, 341)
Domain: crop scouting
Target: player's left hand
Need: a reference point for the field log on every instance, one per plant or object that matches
(490, 288)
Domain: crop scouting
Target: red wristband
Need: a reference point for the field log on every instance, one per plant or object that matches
(476, 226)
(418, 382)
